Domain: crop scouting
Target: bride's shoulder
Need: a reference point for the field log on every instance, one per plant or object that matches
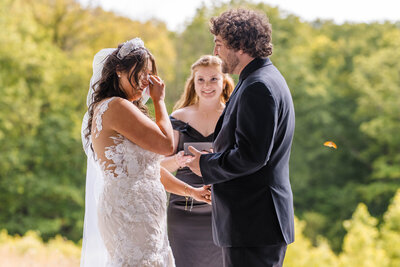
(106, 102)
(113, 106)
(116, 100)
(118, 104)
(121, 111)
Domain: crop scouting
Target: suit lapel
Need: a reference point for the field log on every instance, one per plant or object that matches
(222, 117)
(250, 68)
(218, 126)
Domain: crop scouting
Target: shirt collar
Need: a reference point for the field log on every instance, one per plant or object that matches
(252, 66)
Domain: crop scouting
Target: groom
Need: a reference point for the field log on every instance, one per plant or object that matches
(249, 171)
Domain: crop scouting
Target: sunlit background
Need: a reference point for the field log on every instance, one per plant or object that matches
(341, 60)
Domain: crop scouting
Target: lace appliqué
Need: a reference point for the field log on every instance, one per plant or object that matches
(99, 117)
(132, 205)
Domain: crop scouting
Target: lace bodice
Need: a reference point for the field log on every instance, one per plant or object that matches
(132, 206)
(124, 158)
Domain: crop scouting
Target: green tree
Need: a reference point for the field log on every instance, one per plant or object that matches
(390, 231)
(46, 54)
(377, 80)
(361, 246)
(303, 253)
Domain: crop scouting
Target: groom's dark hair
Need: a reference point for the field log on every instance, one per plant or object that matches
(244, 29)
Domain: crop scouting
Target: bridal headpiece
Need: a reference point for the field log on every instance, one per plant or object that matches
(94, 252)
(129, 46)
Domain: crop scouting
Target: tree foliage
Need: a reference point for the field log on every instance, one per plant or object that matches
(45, 57)
(345, 82)
(365, 245)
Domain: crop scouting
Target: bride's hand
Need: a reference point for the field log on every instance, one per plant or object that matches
(181, 159)
(202, 194)
(157, 88)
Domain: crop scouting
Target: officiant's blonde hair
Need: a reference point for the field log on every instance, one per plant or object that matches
(189, 96)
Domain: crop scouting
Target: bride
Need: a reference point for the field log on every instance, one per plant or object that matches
(125, 203)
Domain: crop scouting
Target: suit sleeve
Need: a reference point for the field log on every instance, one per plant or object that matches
(254, 137)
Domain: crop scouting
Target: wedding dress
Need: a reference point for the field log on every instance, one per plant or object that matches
(125, 202)
(132, 205)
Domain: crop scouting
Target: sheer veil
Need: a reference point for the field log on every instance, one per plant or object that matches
(94, 253)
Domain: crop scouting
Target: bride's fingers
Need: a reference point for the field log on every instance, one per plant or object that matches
(203, 198)
(182, 156)
(156, 79)
(207, 187)
(208, 198)
(203, 195)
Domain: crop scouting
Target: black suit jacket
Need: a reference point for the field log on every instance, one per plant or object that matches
(249, 171)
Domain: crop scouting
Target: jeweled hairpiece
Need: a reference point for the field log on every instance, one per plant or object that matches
(129, 46)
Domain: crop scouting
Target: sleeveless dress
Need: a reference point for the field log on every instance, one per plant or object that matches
(132, 205)
(190, 232)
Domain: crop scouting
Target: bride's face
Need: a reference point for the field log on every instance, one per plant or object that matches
(132, 90)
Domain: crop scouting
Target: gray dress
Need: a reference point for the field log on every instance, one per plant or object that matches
(189, 232)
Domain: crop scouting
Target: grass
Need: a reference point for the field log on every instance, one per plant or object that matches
(31, 251)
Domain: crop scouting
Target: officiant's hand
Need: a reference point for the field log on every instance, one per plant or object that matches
(202, 194)
(194, 162)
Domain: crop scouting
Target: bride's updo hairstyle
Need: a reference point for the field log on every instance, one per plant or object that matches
(132, 60)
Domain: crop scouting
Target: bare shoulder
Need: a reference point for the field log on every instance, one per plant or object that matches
(121, 106)
(121, 110)
(119, 102)
(112, 102)
(183, 114)
(123, 114)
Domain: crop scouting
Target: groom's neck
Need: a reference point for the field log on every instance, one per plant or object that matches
(244, 60)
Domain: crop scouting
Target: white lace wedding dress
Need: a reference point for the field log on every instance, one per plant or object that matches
(132, 206)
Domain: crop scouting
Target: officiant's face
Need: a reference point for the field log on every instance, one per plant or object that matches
(208, 82)
(228, 56)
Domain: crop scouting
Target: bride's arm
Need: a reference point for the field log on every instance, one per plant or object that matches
(176, 160)
(176, 186)
(171, 162)
(126, 119)
(157, 93)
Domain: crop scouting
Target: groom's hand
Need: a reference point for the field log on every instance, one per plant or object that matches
(194, 163)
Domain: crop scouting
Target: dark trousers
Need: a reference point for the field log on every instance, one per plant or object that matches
(268, 256)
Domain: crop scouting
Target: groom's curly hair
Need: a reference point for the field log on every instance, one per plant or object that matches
(244, 29)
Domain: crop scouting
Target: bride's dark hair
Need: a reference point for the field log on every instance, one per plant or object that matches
(108, 85)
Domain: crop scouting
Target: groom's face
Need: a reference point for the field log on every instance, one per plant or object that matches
(228, 56)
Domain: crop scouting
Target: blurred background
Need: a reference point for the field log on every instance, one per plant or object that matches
(344, 76)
